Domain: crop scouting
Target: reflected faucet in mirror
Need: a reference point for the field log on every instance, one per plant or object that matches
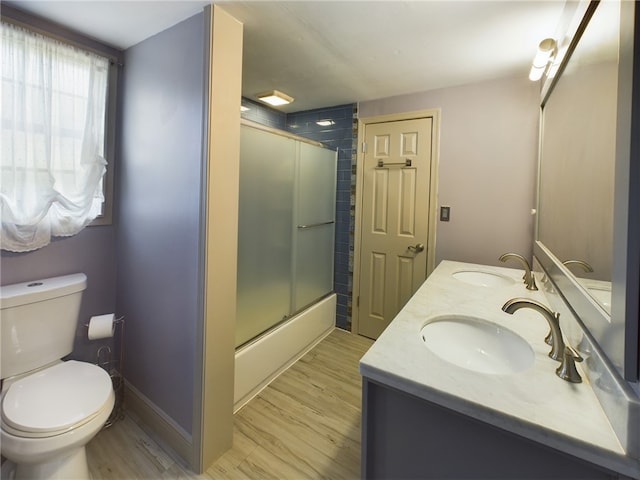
(585, 266)
(528, 277)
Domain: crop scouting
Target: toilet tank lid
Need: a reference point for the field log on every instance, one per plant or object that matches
(40, 290)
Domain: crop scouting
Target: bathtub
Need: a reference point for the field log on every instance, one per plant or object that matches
(261, 361)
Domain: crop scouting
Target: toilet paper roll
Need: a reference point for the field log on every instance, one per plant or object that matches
(101, 326)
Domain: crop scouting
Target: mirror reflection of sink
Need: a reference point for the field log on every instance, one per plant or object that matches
(483, 279)
(603, 297)
(478, 345)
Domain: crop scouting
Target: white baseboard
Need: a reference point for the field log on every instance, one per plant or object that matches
(162, 427)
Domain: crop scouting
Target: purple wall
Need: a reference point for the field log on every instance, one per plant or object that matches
(155, 238)
(158, 240)
(92, 252)
(487, 165)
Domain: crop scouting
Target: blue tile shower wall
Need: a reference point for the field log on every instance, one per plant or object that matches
(342, 135)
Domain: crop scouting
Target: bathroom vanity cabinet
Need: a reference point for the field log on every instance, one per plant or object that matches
(406, 437)
(434, 411)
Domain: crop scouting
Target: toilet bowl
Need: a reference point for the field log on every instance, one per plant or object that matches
(50, 408)
(50, 415)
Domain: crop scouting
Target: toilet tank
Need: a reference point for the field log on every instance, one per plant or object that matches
(38, 322)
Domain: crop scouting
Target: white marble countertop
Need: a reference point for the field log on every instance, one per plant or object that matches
(534, 403)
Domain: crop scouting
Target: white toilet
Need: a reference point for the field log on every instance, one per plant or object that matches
(50, 408)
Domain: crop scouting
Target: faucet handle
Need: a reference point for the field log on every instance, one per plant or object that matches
(567, 369)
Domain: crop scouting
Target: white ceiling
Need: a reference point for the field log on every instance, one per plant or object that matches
(118, 23)
(326, 53)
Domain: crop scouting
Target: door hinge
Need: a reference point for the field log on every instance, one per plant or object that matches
(364, 147)
(358, 301)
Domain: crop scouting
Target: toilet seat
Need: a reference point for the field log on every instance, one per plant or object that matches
(56, 399)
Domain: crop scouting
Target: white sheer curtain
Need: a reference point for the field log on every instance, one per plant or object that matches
(53, 125)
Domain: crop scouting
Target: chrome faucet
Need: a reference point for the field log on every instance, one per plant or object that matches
(553, 318)
(528, 277)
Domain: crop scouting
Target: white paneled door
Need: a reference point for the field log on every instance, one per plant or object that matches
(395, 219)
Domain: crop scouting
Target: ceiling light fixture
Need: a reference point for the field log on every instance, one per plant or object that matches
(325, 123)
(546, 50)
(275, 98)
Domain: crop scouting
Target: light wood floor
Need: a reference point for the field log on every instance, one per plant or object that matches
(124, 451)
(305, 425)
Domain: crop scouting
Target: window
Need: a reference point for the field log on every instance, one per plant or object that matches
(52, 165)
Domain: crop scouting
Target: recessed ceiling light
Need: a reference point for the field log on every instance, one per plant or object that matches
(325, 123)
(275, 98)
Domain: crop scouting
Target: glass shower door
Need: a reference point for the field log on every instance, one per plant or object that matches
(315, 229)
(265, 223)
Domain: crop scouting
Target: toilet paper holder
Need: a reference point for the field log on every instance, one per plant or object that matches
(104, 359)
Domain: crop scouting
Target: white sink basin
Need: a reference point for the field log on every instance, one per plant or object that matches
(483, 279)
(478, 345)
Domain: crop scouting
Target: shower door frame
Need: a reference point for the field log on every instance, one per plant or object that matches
(295, 309)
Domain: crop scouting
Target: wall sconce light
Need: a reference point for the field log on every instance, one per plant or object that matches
(546, 50)
(275, 98)
(325, 123)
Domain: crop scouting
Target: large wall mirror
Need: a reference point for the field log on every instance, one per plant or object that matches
(583, 195)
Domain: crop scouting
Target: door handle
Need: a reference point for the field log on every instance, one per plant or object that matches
(417, 248)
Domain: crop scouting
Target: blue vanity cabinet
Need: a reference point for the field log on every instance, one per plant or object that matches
(405, 437)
